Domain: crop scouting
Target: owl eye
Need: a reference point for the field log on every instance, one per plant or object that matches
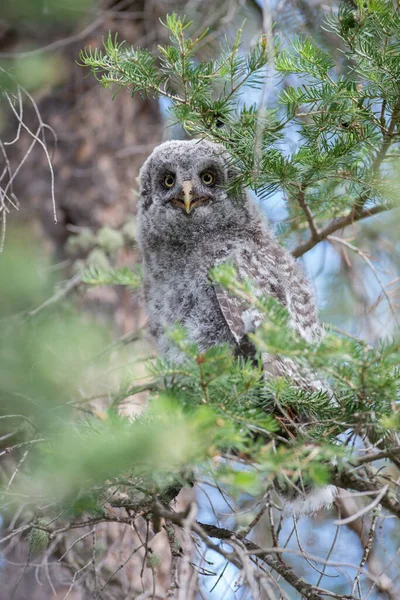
(208, 178)
(169, 180)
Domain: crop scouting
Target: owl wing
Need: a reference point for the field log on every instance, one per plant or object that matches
(232, 309)
(275, 274)
(239, 316)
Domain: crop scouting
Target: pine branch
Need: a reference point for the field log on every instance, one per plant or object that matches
(388, 137)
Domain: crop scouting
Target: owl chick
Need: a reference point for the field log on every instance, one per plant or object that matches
(189, 223)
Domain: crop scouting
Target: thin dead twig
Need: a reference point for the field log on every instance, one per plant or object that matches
(176, 553)
(35, 136)
(363, 255)
(364, 509)
(367, 550)
(186, 576)
(61, 293)
(206, 531)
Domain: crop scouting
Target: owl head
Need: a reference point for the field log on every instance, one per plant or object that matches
(184, 192)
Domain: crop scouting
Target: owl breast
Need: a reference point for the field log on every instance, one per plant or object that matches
(184, 294)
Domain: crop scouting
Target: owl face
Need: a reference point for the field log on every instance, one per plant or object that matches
(183, 190)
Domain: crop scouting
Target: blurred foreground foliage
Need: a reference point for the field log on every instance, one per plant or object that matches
(211, 405)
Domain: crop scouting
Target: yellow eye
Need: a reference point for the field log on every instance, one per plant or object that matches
(208, 178)
(169, 181)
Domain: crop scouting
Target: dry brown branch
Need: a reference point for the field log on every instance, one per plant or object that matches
(348, 480)
(176, 553)
(365, 509)
(6, 189)
(209, 531)
(300, 196)
(337, 225)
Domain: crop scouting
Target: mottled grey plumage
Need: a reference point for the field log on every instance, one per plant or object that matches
(179, 249)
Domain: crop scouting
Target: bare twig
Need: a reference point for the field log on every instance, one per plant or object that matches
(176, 553)
(336, 225)
(61, 293)
(346, 479)
(310, 219)
(206, 531)
(364, 509)
(367, 549)
(35, 137)
(368, 458)
(363, 255)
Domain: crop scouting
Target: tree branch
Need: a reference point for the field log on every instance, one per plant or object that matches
(335, 225)
(348, 480)
(203, 529)
(381, 154)
(310, 219)
(391, 453)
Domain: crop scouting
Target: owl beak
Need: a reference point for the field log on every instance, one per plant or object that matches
(187, 195)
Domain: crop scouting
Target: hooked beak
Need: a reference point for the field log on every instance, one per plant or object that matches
(187, 195)
(186, 198)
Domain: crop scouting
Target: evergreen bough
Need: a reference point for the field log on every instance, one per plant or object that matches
(211, 416)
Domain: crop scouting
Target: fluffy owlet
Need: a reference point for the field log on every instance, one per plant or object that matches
(187, 224)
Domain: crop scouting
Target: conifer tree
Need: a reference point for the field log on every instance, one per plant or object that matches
(209, 420)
